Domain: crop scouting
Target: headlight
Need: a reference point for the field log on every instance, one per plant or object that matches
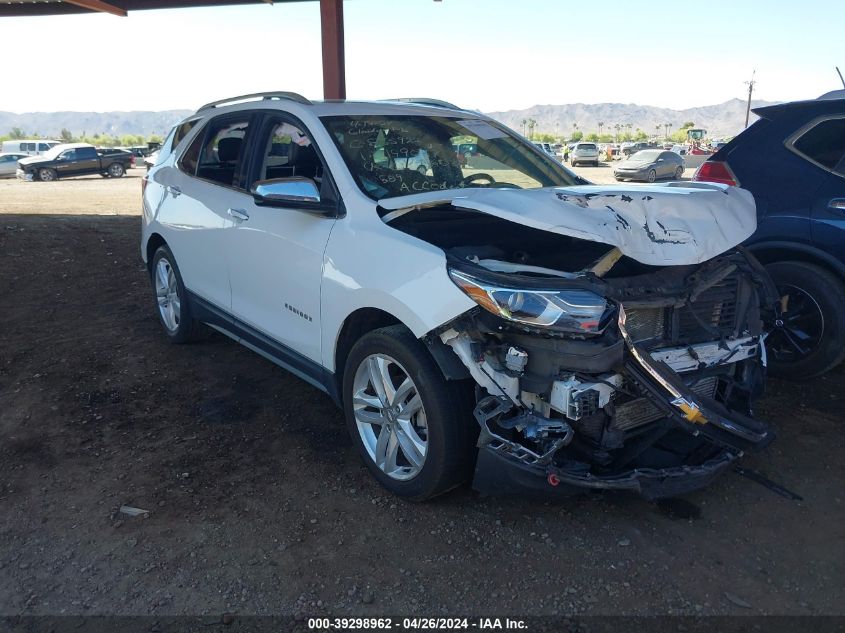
(572, 310)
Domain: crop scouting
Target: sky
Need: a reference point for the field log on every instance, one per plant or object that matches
(489, 55)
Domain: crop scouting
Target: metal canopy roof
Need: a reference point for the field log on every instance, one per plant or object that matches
(10, 8)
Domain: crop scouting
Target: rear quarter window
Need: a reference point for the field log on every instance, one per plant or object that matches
(824, 144)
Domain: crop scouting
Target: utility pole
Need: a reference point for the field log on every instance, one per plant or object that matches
(750, 90)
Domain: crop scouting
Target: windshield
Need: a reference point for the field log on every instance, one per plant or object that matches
(53, 152)
(585, 146)
(398, 155)
(646, 155)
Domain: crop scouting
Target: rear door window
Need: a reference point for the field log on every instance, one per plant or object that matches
(824, 144)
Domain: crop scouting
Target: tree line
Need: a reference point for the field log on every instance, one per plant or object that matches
(100, 139)
(616, 133)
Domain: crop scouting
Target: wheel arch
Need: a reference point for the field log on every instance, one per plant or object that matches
(154, 241)
(360, 322)
(780, 251)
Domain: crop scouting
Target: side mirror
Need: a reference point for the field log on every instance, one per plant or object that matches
(285, 191)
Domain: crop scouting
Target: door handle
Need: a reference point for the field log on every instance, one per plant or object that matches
(837, 204)
(175, 191)
(238, 214)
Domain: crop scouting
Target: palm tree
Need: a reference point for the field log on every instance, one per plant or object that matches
(657, 130)
(617, 127)
(524, 123)
(531, 125)
(601, 125)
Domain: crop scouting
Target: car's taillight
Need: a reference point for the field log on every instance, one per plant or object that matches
(715, 171)
(132, 161)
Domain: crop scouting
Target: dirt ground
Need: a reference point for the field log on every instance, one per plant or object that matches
(258, 503)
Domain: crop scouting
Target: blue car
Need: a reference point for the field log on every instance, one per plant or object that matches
(793, 160)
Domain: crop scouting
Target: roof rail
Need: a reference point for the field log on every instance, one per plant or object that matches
(267, 96)
(427, 101)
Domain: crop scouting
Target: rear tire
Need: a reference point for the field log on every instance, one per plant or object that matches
(441, 423)
(652, 176)
(116, 170)
(172, 303)
(814, 322)
(679, 173)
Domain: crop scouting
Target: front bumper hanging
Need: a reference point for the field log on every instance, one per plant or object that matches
(506, 467)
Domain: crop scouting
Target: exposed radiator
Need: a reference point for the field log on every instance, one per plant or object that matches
(639, 411)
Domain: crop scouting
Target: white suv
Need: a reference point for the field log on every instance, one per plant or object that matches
(584, 153)
(504, 319)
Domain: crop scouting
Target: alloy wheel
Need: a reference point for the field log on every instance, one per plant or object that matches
(390, 417)
(799, 328)
(167, 294)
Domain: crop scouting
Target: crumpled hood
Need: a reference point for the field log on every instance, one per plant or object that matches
(669, 224)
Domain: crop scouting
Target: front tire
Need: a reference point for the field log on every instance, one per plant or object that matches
(47, 175)
(809, 338)
(172, 304)
(411, 426)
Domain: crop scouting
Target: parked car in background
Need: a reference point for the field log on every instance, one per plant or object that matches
(9, 163)
(546, 148)
(650, 165)
(417, 160)
(30, 147)
(584, 153)
(513, 324)
(793, 160)
(629, 149)
(465, 152)
(680, 150)
(74, 159)
(612, 152)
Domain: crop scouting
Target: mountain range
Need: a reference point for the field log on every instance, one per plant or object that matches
(723, 119)
(50, 124)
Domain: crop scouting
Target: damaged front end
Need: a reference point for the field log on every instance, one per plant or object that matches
(641, 383)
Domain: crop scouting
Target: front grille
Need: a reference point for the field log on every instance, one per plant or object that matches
(639, 411)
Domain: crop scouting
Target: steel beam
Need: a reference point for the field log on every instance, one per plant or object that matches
(334, 66)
